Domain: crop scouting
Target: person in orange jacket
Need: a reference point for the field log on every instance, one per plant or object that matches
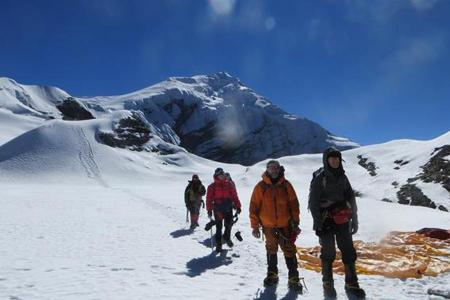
(274, 206)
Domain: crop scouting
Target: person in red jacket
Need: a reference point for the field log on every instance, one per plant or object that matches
(222, 198)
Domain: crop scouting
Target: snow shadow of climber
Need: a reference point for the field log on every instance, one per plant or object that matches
(197, 266)
(269, 293)
(207, 242)
(181, 232)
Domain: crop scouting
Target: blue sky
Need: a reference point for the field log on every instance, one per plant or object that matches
(369, 70)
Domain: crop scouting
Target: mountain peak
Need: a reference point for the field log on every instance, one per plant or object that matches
(217, 80)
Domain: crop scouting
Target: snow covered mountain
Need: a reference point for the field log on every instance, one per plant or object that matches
(83, 220)
(216, 117)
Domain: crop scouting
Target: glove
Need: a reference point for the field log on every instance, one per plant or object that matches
(354, 227)
(210, 214)
(238, 210)
(256, 233)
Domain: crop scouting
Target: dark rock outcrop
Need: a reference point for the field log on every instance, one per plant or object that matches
(410, 194)
(436, 170)
(369, 166)
(131, 133)
(74, 110)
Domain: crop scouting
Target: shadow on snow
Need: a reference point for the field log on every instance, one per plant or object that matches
(269, 293)
(181, 232)
(197, 266)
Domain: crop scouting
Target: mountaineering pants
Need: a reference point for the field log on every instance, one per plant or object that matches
(221, 218)
(342, 235)
(279, 237)
(194, 210)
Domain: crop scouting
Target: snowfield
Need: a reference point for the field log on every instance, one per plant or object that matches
(81, 220)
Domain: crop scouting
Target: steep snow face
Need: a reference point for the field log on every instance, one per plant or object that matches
(219, 118)
(29, 99)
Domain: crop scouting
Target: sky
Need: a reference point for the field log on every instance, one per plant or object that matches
(371, 71)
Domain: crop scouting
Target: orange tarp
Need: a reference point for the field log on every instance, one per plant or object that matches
(398, 255)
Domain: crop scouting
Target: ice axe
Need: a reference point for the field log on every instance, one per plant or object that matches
(238, 233)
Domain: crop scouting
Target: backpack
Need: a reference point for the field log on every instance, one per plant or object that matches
(315, 174)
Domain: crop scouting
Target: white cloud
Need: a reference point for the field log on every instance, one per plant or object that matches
(222, 7)
(270, 23)
(251, 16)
(416, 52)
(423, 4)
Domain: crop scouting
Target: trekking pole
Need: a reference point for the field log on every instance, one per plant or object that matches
(211, 240)
(187, 215)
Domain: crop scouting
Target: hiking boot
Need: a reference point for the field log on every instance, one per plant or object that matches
(229, 243)
(271, 279)
(295, 285)
(354, 289)
(328, 289)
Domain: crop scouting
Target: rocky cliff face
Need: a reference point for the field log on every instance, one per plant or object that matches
(219, 118)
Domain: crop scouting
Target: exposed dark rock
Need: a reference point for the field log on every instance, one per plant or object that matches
(73, 110)
(443, 208)
(131, 132)
(395, 184)
(401, 162)
(410, 194)
(436, 170)
(369, 166)
(387, 200)
(163, 149)
(357, 193)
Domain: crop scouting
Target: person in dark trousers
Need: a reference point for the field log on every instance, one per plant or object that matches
(222, 198)
(335, 219)
(193, 194)
(275, 207)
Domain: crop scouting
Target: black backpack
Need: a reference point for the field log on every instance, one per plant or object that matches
(315, 174)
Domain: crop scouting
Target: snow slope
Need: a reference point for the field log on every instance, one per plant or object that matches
(30, 99)
(81, 220)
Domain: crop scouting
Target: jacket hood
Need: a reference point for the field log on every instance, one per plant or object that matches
(266, 178)
(326, 167)
(216, 179)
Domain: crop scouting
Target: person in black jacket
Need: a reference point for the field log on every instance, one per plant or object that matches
(335, 216)
(193, 199)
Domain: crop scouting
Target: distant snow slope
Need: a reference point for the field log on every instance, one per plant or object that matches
(30, 99)
(81, 220)
(13, 125)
